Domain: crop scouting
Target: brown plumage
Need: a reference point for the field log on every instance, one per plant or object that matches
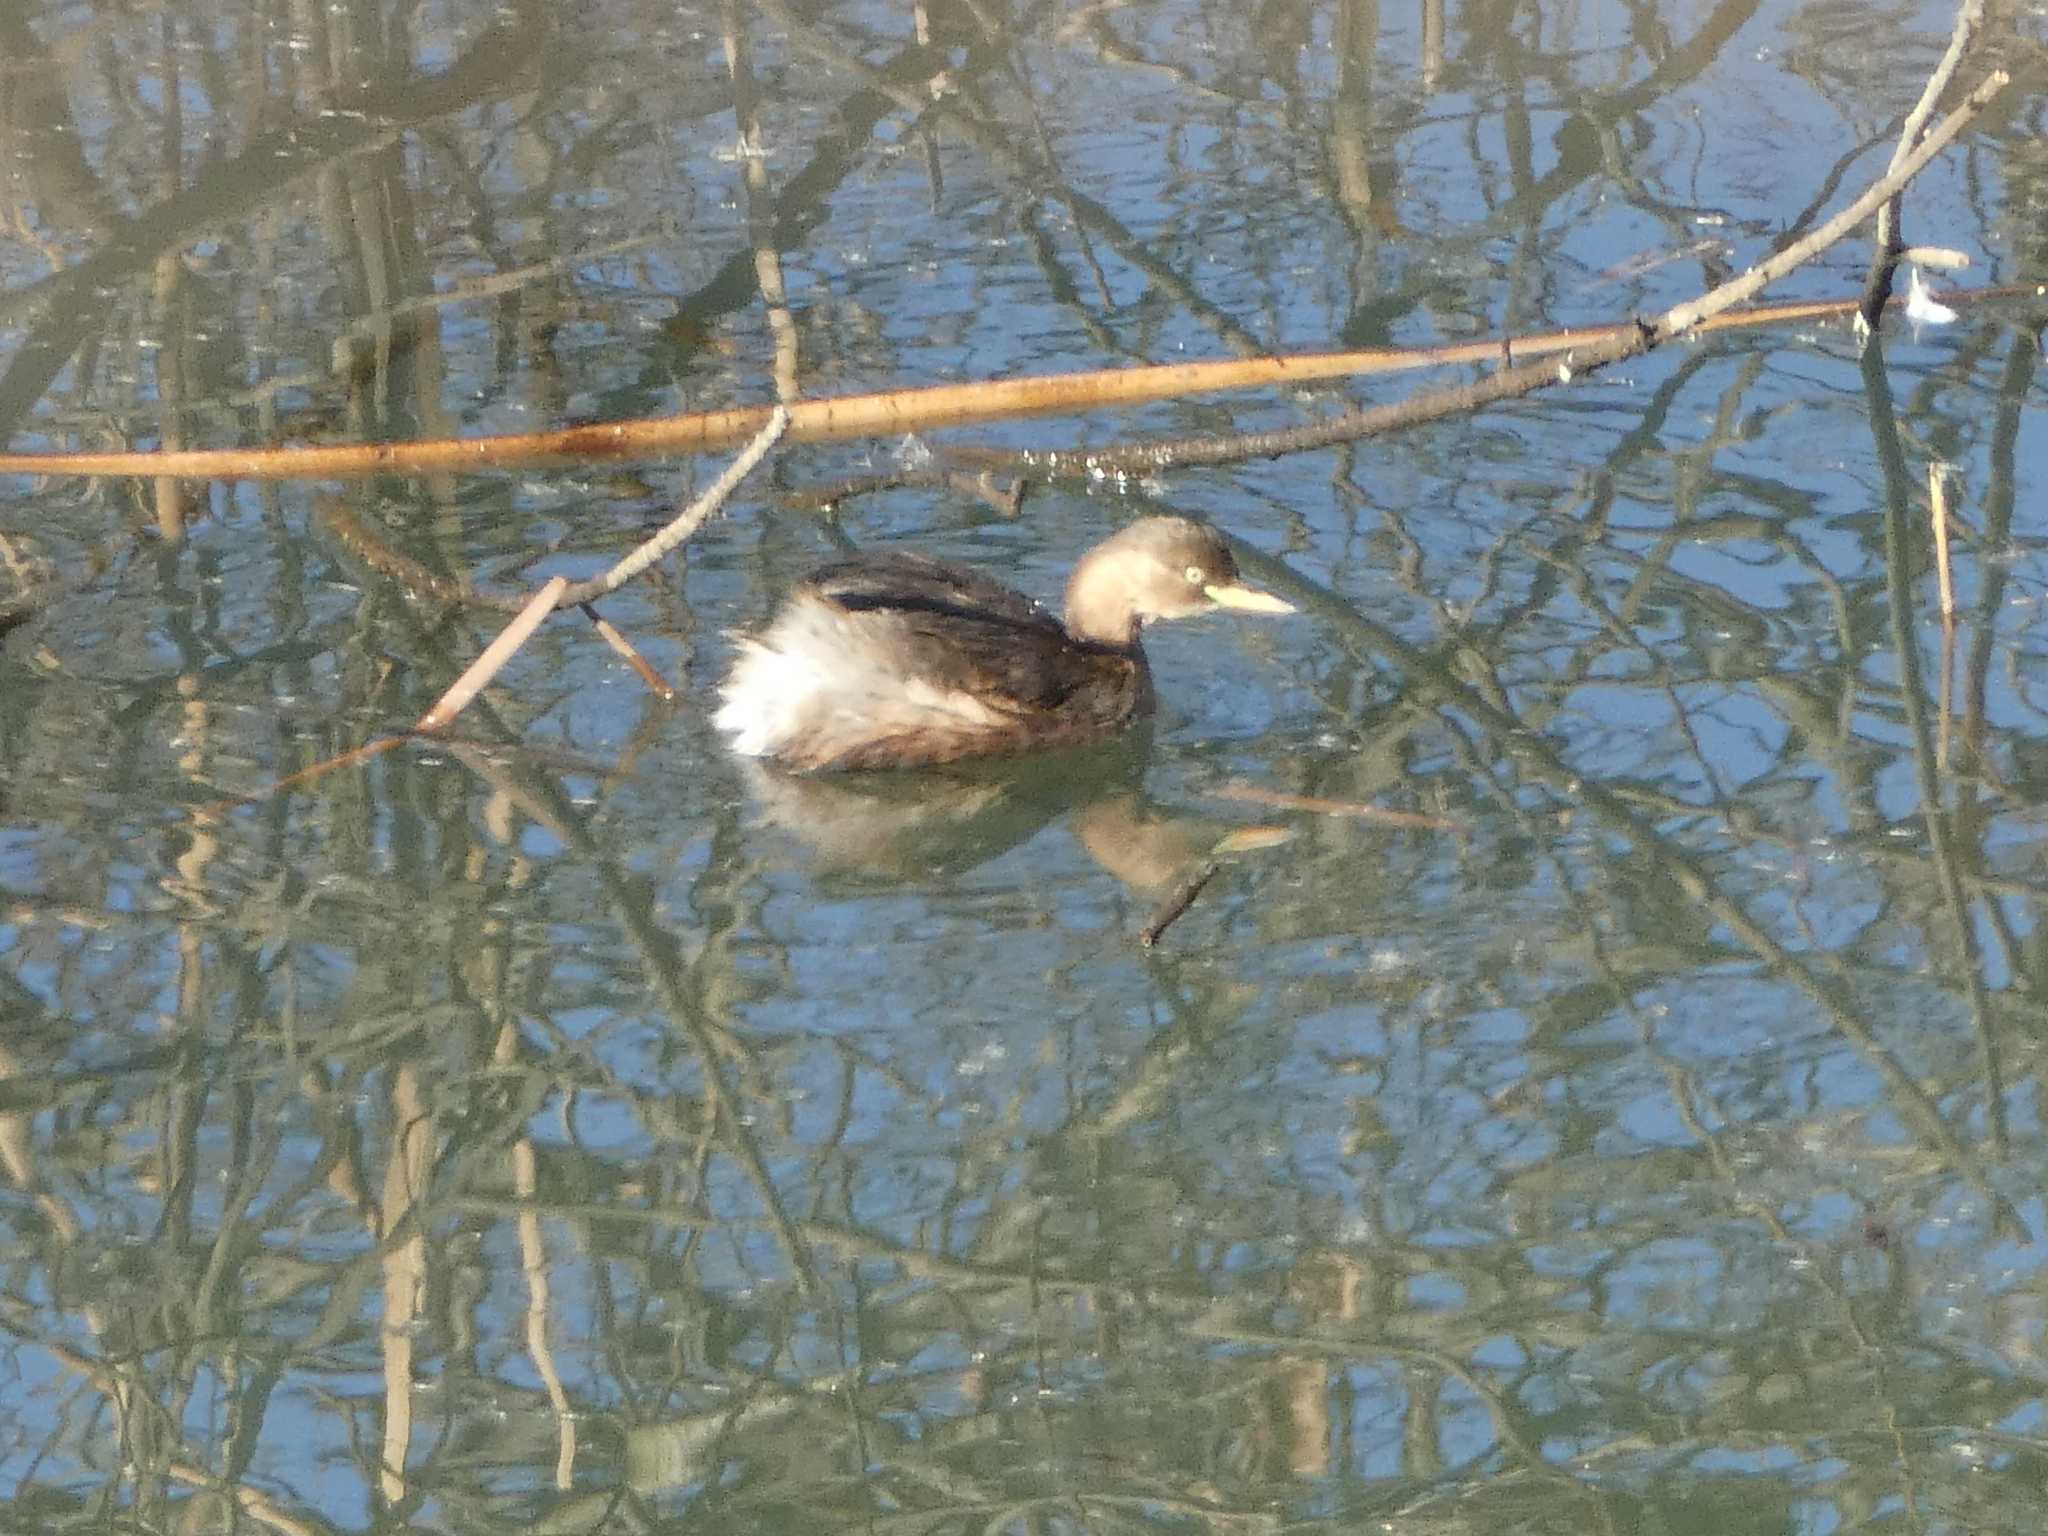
(891, 661)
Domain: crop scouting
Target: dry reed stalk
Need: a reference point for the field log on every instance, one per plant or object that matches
(487, 666)
(1937, 508)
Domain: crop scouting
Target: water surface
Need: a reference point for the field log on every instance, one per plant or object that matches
(1603, 1091)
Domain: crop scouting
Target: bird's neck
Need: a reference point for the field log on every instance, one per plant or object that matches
(1099, 607)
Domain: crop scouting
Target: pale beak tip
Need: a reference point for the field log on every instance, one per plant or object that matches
(1247, 599)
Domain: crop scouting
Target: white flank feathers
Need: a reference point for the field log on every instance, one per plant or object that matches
(827, 680)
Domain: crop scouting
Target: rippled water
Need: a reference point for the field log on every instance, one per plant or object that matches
(1600, 1086)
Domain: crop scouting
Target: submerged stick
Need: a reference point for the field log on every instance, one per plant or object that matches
(355, 538)
(458, 696)
(1178, 900)
(376, 747)
(1199, 874)
(1280, 800)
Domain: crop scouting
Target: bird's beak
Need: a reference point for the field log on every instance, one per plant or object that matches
(1246, 599)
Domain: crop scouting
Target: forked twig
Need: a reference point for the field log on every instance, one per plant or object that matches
(1885, 262)
(558, 593)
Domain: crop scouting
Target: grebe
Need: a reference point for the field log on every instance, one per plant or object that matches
(897, 661)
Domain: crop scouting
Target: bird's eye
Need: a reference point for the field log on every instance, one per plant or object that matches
(1196, 576)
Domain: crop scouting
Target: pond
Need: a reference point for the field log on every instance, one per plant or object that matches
(1588, 1070)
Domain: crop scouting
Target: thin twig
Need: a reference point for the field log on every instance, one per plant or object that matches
(691, 518)
(1935, 258)
(1178, 900)
(1937, 508)
(1683, 317)
(1253, 794)
(359, 541)
(1002, 494)
(1614, 344)
(1937, 501)
(557, 593)
(1885, 261)
(623, 648)
(306, 775)
(495, 655)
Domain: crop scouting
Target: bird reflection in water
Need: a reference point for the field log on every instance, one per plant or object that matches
(939, 824)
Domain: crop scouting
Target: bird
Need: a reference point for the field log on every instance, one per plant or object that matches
(901, 661)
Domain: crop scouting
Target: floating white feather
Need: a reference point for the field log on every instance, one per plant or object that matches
(1920, 306)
